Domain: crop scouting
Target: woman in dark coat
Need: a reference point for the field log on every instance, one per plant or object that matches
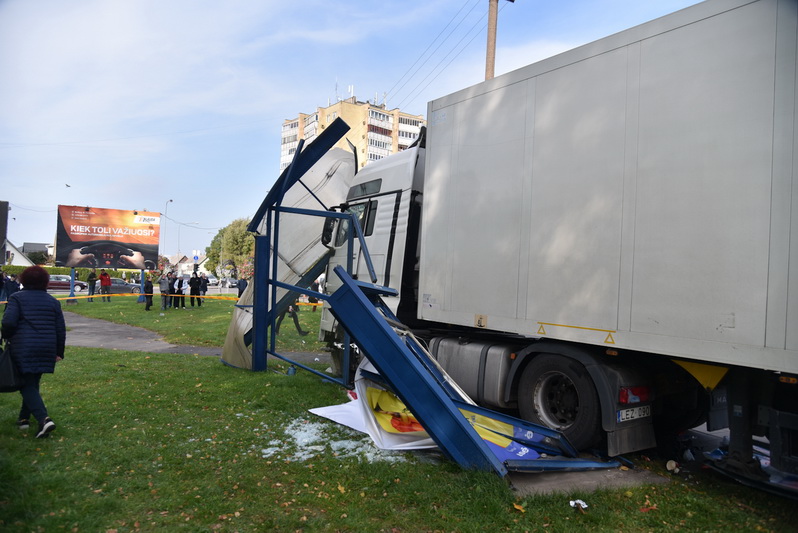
(34, 325)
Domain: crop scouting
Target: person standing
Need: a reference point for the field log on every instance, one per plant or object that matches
(105, 286)
(147, 293)
(203, 284)
(164, 284)
(194, 289)
(180, 290)
(312, 299)
(11, 286)
(91, 280)
(242, 285)
(172, 279)
(34, 325)
(292, 311)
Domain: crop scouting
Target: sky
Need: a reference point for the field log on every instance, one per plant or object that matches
(176, 107)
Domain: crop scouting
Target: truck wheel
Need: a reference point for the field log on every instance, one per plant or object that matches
(557, 392)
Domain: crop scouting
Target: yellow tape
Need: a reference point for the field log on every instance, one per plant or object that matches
(136, 294)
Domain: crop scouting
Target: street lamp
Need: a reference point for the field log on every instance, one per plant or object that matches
(163, 225)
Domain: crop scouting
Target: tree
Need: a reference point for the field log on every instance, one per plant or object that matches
(163, 263)
(212, 251)
(38, 258)
(231, 248)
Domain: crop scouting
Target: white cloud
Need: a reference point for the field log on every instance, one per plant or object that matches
(134, 102)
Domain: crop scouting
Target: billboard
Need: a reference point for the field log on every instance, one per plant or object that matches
(106, 238)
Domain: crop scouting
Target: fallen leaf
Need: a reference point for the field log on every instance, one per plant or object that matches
(519, 507)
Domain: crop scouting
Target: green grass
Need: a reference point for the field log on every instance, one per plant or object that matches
(200, 326)
(167, 442)
(163, 442)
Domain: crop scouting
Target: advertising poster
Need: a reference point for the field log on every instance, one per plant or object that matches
(106, 238)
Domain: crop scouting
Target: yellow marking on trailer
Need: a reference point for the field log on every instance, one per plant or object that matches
(707, 375)
(609, 339)
(577, 327)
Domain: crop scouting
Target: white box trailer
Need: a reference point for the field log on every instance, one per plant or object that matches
(637, 192)
(623, 218)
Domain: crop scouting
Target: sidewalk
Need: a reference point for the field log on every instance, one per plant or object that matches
(94, 333)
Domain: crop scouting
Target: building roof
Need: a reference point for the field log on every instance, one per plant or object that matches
(28, 247)
(14, 256)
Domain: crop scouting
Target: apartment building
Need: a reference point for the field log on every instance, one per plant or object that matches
(375, 131)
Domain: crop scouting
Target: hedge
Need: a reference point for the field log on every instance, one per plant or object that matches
(80, 273)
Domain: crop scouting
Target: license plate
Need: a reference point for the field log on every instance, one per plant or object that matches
(624, 415)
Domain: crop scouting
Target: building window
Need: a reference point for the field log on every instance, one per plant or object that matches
(379, 131)
(410, 121)
(379, 144)
(376, 115)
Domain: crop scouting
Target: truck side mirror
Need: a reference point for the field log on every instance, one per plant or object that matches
(327, 232)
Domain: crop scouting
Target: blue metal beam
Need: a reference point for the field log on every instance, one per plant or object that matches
(413, 385)
(450, 421)
(261, 302)
(302, 162)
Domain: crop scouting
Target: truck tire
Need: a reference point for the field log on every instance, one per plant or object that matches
(557, 392)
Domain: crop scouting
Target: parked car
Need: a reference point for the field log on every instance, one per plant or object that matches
(120, 286)
(61, 282)
(212, 280)
(229, 282)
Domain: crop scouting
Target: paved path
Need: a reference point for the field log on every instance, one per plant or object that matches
(96, 333)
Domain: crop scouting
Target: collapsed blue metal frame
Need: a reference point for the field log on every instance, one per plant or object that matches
(267, 323)
(451, 422)
(401, 362)
(266, 307)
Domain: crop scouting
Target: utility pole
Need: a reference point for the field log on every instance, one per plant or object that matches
(493, 15)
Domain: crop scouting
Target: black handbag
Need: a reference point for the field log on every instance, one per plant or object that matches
(10, 380)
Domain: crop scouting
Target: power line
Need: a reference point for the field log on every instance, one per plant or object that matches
(361, 128)
(475, 3)
(418, 89)
(34, 210)
(187, 224)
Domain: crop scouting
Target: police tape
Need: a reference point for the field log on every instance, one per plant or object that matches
(137, 294)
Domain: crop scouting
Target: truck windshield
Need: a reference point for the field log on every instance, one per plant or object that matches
(365, 214)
